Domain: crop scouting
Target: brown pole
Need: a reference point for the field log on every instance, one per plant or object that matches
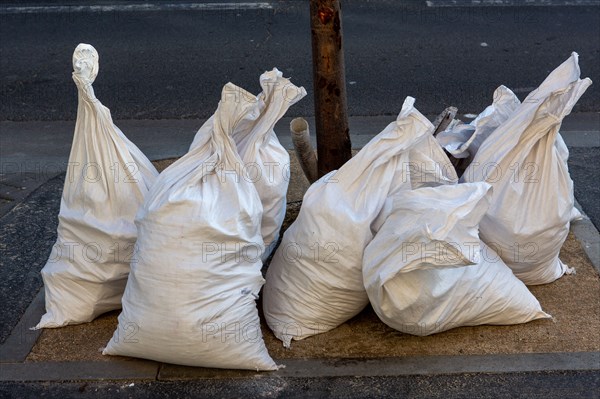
(331, 115)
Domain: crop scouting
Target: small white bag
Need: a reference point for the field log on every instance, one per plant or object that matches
(426, 270)
(265, 162)
(528, 220)
(190, 297)
(463, 140)
(314, 282)
(107, 179)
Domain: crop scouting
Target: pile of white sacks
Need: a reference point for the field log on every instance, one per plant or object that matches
(181, 252)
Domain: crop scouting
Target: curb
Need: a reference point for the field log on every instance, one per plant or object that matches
(588, 236)
(304, 368)
(22, 339)
(79, 371)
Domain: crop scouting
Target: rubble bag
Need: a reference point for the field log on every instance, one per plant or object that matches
(265, 161)
(106, 181)
(532, 204)
(426, 271)
(190, 297)
(314, 282)
(464, 139)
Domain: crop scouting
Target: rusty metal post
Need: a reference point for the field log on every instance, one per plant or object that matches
(329, 81)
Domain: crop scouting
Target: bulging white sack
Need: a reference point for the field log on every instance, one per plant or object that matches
(190, 297)
(265, 162)
(426, 270)
(107, 178)
(314, 282)
(528, 220)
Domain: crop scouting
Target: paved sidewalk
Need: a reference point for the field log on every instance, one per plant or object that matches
(533, 355)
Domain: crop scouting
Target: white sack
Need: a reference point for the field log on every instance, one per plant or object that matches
(426, 270)
(191, 294)
(463, 140)
(563, 153)
(107, 178)
(314, 282)
(528, 220)
(265, 162)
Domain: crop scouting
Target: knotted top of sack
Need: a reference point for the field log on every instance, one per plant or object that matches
(85, 64)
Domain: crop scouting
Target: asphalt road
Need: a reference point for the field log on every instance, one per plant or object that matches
(172, 64)
(27, 236)
(542, 385)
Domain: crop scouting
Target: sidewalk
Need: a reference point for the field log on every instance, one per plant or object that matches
(362, 348)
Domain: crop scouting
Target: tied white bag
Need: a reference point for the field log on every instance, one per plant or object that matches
(463, 140)
(314, 282)
(426, 270)
(265, 161)
(105, 184)
(528, 220)
(190, 297)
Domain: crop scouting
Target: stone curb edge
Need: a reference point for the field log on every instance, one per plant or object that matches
(18, 344)
(303, 368)
(588, 236)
